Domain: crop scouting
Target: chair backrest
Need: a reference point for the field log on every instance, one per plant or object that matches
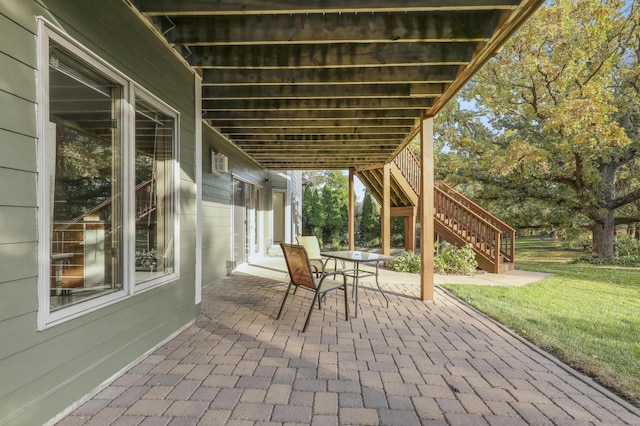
(298, 265)
(311, 245)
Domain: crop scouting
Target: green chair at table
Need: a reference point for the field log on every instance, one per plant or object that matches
(312, 246)
(302, 276)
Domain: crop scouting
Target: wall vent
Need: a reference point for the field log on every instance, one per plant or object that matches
(219, 163)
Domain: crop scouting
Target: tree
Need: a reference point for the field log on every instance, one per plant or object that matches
(317, 215)
(561, 110)
(307, 208)
(369, 222)
(334, 223)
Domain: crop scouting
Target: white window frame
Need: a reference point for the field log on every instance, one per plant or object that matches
(47, 33)
(154, 101)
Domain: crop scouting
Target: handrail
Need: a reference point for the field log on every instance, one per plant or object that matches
(468, 225)
(473, 206)
(409, 166)
(507, 248)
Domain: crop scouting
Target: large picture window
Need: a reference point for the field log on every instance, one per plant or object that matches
(108, 183)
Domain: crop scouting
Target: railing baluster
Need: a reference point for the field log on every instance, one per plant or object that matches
(486, 232)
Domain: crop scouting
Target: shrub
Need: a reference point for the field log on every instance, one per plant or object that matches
(408, 261)
(454, 260)
(582, 242)
(627, 254)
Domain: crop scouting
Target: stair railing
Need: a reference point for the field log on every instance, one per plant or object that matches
(468, 225)
(507, 233)
(409, 166)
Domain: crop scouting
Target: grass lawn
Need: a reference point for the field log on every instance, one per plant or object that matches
(586, 315)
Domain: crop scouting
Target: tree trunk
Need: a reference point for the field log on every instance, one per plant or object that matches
(604, 236)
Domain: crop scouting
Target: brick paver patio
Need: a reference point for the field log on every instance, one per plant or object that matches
(415, 363)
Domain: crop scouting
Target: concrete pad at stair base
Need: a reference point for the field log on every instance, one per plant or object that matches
(515, 278)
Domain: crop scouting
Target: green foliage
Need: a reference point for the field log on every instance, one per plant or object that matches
(408, 261)
(333, 208)
(146, 259)
(307, 208)
(548, 133)
(397, 232)
(324, 211)
(454, 260)
(627, 254)
(369, 223)
(317, 215)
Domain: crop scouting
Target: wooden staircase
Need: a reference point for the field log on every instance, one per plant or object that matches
(457, 219)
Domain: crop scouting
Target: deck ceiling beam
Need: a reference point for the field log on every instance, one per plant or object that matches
(339, 116)
(330, 130)
(259, 7)
(362, 91)
(266, 149)
(307, 125)
(336, 103)
(337, 55)
(355, 75)
(316, 139)
(435, 27)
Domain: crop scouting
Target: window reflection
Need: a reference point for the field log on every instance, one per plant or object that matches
(85, 186)
(154, 179)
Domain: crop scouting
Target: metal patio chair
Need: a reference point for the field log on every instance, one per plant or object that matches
(317, 262)
(301, 276)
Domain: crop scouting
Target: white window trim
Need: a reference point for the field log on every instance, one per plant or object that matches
(198, 188)
(154, 101)
(45, 318)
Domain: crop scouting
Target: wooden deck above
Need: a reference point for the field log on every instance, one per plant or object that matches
(330, 84)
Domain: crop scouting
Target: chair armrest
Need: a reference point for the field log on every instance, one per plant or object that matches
(333, 274)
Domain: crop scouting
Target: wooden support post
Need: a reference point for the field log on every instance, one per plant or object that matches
(352, 211)
(410, 232)
(426, 208)
(385, 214)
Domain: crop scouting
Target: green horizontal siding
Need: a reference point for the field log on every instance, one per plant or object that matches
(18, 115)
(17, 78)
(17, 188)
(18, 261)
(19, 297)
(17, 151)
(17, 225)
(17, 41)
(42, 372)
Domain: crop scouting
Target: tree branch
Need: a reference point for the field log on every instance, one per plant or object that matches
(627, 220)
(624, 200)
